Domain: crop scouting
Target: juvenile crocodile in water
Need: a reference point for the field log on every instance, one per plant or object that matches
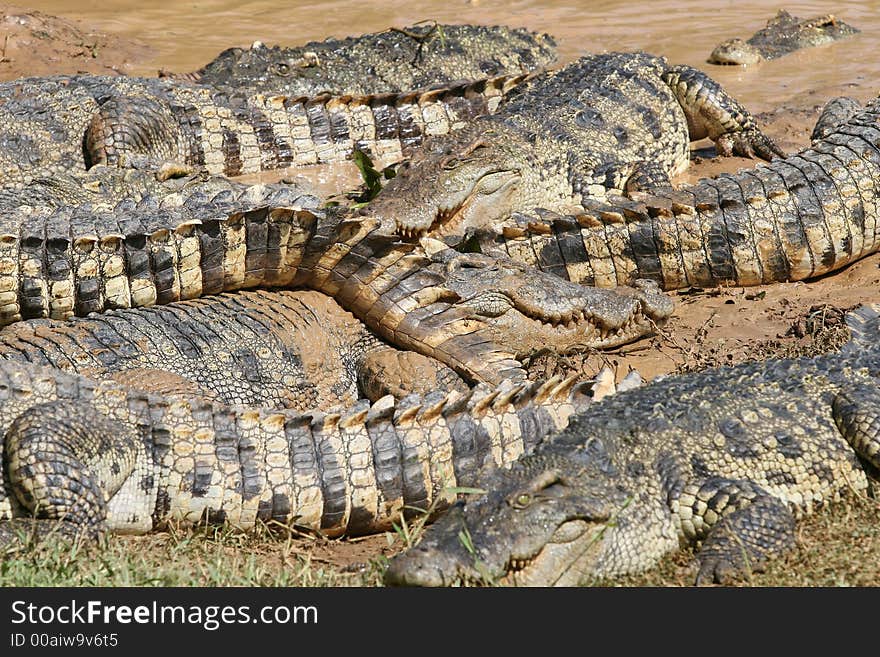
(394, 60)
(724, 458)
(89, 457)
(70, 123)
(605, 122)
(783, 34)
(471, 312)
(284, 349)
(798, 217)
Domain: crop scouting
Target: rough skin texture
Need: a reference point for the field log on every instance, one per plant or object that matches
(395, 60)
(799, 217)
(199, 241)
(725, 458)
(70, 123)
(287, 349)
(783, 34)
(101, 457)
(619, 121)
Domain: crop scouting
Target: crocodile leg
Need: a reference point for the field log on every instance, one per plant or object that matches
(64, 462)
(647, 177)
(712, 112)
(388, 371)
(742, 526)
(857, 414)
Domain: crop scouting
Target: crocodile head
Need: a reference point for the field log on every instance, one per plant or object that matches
(530, 311)
(735, 52)
(550, 520)
(783, 34)
(468, 178)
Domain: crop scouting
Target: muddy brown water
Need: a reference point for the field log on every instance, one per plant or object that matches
(188, 33)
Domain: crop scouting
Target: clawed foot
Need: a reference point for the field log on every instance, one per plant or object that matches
(750, 143)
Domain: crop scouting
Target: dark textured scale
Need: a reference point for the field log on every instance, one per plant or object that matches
(650, 120)
(252, 470)
(58, 265)
(568, 236)
(589, 118)
(737, 223)
(333, 481)
(358, 255)
(266, 140)
(257, 240)
(339, 127)
(232, 163)
(385, 119)
(191, 125)
(410, 132)
(32, 298)
(163, 267)
(809, 207)
(386, 454)
(715, 239)
(212, 253)
(471, 446)
(775, 265)
(550, 259)
(644, 248)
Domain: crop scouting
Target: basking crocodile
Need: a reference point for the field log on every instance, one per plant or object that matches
(86, 457)
(394, 60)
(614, 121)
(728, 458)
(798, 217)
(285, 349)
(70, 123)
(783, 34)
(472, 313)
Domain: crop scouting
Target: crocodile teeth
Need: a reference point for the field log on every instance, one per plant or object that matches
(518, 564)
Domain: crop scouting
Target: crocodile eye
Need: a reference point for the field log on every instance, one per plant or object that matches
(449, 163)
(522, 501)
(282, 69)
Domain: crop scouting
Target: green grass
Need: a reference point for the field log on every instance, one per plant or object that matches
(192, 557)
(837, 546)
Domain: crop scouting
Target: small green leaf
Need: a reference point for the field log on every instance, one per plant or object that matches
(372, 178)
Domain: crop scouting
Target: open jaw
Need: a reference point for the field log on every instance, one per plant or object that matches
(532, 311)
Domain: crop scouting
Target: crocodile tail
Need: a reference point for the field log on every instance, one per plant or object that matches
(864, 328)
(232, 133)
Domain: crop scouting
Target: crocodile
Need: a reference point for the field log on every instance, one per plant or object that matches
(784, 34)
(473, 313)
(799, 217)
(71, 123)
(281, 349)
(394, 60)
(616, 121)
(84, 457)
(726, 458)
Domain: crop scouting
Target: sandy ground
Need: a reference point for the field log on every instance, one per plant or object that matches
(710, 327)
